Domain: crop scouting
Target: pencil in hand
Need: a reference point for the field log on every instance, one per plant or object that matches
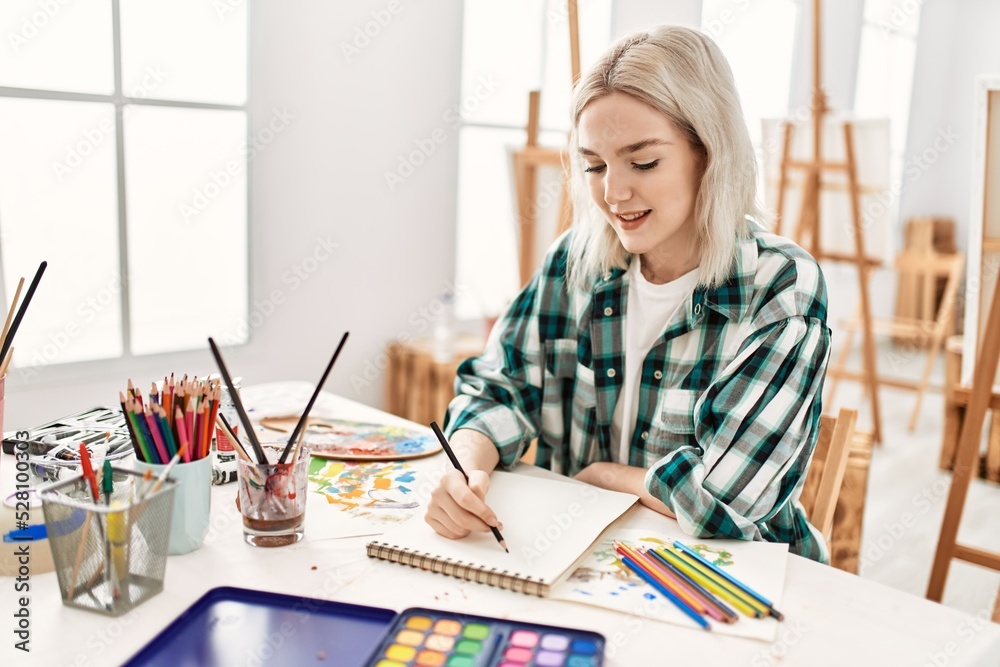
(458, 466)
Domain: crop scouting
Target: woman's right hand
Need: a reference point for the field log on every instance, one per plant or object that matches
(457, 509)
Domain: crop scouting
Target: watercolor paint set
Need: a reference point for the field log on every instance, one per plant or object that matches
(239, 626)
(433, 638)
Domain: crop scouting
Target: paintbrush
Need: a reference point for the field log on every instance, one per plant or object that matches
(312, 399)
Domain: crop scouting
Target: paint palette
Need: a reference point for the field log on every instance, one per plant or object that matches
(429, 638)
(358, 441)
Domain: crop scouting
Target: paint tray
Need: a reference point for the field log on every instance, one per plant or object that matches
(236, 626)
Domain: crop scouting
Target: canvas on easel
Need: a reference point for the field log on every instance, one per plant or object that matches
(984, 221)
(807, 222)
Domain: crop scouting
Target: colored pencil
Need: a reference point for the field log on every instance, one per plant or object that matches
(301, 425)
(458, 466)
(88, 471)
(238, 404)
(729, 616)
(12, 331)
(670, 582)
(652, 581)
(713, 585)
(731, 579)
(161, 447)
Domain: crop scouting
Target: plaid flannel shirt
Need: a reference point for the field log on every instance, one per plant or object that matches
(729, 396)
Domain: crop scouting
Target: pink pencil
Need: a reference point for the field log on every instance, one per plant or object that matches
(154, 429)
(182, 435)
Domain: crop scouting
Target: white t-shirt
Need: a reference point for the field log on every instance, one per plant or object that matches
(649, 309)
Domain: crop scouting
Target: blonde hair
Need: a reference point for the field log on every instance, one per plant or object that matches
(683, 74)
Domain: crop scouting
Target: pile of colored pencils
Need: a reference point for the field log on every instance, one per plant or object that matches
(696, 586)
(178, 417)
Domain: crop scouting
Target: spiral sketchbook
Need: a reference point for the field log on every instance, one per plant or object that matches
(548, 524)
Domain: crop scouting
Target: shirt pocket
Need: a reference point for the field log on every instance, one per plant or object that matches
(573, 381)
(673, 423)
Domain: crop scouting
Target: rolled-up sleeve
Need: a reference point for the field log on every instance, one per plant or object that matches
(755, 428)
(499, 392)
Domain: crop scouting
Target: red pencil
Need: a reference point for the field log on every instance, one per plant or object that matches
(88, 471)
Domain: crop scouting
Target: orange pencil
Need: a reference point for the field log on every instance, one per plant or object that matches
(640, 560)
(168, 402)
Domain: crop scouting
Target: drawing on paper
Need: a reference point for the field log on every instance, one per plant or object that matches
(379, 492)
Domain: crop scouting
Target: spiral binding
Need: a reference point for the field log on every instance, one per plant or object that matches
(511, 581)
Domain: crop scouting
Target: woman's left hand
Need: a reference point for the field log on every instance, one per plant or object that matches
(627, 479)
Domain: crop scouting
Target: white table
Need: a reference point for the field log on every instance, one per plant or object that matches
(832, 618)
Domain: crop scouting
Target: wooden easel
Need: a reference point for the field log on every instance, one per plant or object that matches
(966, 462)
(808, 224)
(532, 156)
(920, 266)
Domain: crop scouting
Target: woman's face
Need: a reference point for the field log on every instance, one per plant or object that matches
(643, 175)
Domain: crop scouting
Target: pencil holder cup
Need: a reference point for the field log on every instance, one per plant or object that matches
(192, 502)
(109, 555)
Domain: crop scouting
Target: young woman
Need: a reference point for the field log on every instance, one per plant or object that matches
(669, 346)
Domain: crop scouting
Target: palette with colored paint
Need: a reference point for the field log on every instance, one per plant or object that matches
(429, 638)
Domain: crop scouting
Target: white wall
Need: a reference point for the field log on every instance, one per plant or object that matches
(632, 15)
(323, 179)
(957, 42)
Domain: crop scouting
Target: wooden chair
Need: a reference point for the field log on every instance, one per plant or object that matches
(826, 470)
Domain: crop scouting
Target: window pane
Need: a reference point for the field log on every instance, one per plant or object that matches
(57, 45)
(487, 262)
(186, 194)
(189, 50)
(594, 18)
(885, 83)
(501, 46)
(58, 202)
(762, 67)
(891, 16)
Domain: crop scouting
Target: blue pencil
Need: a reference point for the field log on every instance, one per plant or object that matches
(728, 577)
(695, 616)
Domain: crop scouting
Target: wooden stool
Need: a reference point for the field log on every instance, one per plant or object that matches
(956, 399)
(419, 387)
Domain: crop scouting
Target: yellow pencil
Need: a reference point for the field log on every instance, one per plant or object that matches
(712, 584)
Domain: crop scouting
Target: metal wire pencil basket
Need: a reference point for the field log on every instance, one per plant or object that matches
(109, 556)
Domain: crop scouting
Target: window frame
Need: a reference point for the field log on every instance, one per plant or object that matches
(58, 373)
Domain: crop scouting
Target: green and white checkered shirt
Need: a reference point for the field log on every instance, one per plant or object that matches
(728, 400)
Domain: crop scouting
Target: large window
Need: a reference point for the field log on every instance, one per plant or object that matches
(123, 163)
(885, 70)
(508, 50)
